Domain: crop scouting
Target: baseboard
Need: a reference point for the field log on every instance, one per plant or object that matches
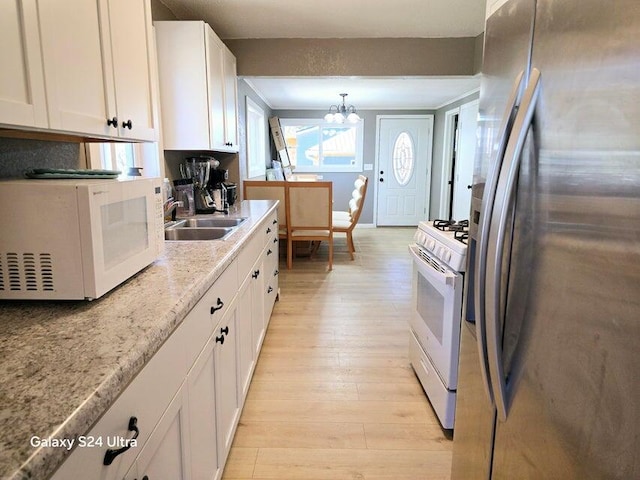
(365, 225)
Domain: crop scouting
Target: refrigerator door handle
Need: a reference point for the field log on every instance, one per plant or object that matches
(497, 234)
(488, 199)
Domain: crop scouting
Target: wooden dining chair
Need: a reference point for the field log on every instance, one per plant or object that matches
(309, 207)
(345, 222)
(271, 190)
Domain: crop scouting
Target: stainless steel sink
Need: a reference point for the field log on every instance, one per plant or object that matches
(213, 222)
(191, 233)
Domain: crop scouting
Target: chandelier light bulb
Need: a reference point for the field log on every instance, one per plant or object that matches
(342, 113)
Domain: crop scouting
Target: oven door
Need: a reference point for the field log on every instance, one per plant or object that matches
(435, 319)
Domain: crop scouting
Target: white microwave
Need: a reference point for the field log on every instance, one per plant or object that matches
(76, 239)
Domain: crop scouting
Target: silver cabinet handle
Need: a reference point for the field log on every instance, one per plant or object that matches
(497, 234)
(488, 199)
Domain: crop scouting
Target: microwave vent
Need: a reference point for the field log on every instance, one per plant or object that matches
(26, 272)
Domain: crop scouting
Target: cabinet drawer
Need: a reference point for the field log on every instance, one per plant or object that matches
(146, 398)
(219, 297)
(251, 252)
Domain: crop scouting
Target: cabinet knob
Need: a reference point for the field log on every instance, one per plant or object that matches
(225, 330)
(220, 339)
(112, 122)
(110, 455)
(269, 252)
(268, 229)
(276, 273)
(274, 221)
(255, 274)
(217, 307)
(269, 290)
(275, 240)
(127, 124)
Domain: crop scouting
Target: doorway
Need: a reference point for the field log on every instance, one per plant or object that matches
(458, 161)
(404, 169)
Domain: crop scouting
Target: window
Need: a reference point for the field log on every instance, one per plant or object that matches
(121, 156)
(256, 140)
(318, 146)
(403, 158)
(118, 156)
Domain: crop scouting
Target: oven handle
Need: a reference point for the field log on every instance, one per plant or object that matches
(497, 236)
(488, 200)
(431, 273)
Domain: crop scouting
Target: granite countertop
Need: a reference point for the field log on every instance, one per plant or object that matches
(65, 362)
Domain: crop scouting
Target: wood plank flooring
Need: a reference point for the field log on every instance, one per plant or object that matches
(333, 396)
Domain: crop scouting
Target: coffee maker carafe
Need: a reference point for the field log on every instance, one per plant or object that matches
(199, 170)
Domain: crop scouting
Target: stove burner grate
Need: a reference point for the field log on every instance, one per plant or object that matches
(451, 225)
(461, 236)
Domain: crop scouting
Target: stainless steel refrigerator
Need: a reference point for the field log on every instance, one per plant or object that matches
(548, 384)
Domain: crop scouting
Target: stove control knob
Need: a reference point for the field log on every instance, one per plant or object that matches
(431, 245)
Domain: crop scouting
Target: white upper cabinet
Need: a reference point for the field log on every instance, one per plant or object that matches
(198, 92)
(230, 88)
(94, 60)
(22, 97)
(130, 37)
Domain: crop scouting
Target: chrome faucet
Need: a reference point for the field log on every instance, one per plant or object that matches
(169, 209)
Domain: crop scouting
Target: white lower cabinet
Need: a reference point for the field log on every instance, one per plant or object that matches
(213, 400)
(166, 453)
(257, 305)
(185, 404)
(226, 373)
(271, 269)
(246, 354)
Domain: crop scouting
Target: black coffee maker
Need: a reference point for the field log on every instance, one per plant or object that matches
(218, 182)
(217, 176)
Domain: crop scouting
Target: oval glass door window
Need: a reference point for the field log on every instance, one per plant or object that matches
(403, 158)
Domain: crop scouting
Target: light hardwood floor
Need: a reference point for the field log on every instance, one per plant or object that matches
(333, 396)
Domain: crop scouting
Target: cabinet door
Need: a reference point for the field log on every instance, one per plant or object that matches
(182, 52)
(271, 284)
(215, 89)
(130, 49)
(226, 378)
(166, 453)
(230, 100)
(257, 306)
(22, 97)
(74, 67)
(270, 256)
(245, 339)
(202, 416)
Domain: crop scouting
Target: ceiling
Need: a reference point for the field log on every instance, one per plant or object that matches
(234, 19)
(390, 93)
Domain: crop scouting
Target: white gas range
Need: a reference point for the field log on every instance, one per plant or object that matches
(439, 252)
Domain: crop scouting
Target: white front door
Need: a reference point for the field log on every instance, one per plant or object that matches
(404, 166)
(466, 152)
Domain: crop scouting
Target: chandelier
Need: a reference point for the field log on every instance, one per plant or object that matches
(340, 113)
